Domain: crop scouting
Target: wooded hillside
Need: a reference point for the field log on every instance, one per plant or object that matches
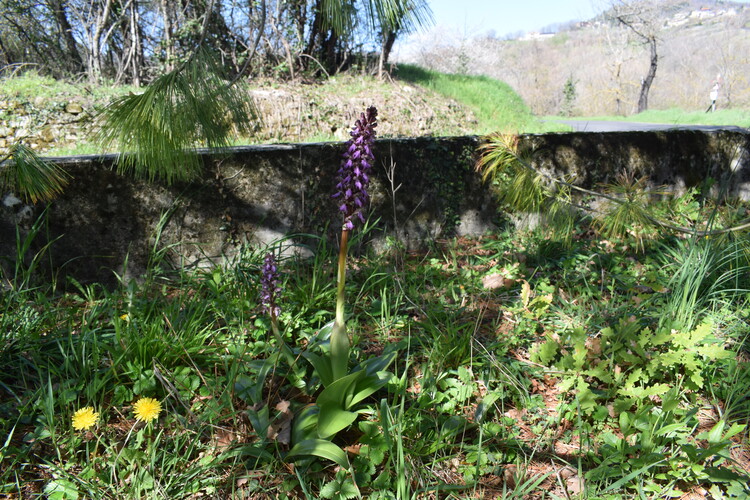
(597, 66)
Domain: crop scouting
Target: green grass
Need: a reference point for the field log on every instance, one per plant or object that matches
(495, 104)
(731, 117)
(30, 85)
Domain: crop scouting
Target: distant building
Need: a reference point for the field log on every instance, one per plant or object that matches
(535, 35)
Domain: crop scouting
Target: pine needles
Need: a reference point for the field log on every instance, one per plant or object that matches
(524, 189)
(183, 109)
(626, 210)
(30, 176)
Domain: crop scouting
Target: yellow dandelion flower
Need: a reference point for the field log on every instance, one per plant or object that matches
(85, 418)
(125, 317)
(146, 409)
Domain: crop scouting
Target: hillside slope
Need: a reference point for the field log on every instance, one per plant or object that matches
(605, 63)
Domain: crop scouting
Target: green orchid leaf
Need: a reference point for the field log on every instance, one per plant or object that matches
(368, 385)
(340, 392)
(332, 419)
(378, 364)
(486, 405)
(322, 367)
(339, 350)
(319, 448)
(323, 336)
(304, 424)
(259, 420)
(249, 451)
(253, 390)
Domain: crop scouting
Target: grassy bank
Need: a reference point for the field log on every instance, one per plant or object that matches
(495, 104)
(39, 109)
(724, 117)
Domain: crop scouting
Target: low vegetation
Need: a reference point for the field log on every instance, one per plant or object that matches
(37, 109)
(494, 103)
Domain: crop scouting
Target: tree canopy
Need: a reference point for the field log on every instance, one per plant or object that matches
(135, 41)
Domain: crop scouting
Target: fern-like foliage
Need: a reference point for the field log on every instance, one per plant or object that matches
(188, 107)
(31, 177)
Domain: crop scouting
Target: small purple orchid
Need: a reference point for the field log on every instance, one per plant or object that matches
(356, 162)
(270, 289)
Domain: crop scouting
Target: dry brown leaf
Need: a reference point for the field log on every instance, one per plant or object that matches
(492, 281)
(281, 428)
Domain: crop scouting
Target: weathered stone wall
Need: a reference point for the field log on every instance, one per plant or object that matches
(259, 194)
(676, 159)
(42, 124)
(254, 194)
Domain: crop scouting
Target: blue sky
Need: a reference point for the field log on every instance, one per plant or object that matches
(509, 16)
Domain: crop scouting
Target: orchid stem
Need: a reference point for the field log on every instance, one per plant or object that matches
(341, 281)
(339, 337)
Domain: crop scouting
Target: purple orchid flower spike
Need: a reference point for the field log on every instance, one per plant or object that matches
(353, 174)
(270, 289)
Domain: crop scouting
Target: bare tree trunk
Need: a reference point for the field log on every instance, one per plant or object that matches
(61, 17)
(649, 79)
(385, 51)
(312, 41)
(166, 13)
(642, 19)
(258, 36)
(285, 43)
(95, 57)
(300, 19)
(6, 57)
(136, 45)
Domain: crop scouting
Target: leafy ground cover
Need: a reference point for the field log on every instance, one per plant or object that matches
(522, 367)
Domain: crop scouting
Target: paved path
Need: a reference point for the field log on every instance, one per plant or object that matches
(605, 126)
